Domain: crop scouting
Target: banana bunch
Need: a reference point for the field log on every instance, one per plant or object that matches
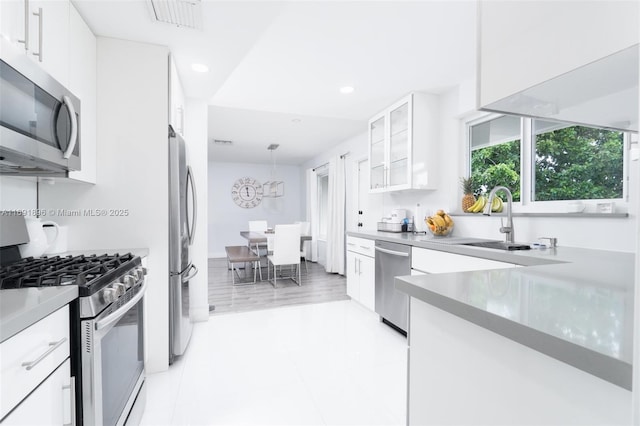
(440, 223)
(480, 204)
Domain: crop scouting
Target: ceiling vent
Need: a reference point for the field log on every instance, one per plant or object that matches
(182, 13)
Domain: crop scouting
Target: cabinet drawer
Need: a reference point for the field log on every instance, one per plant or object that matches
(361, 245)
(27, 358)
(439, 262)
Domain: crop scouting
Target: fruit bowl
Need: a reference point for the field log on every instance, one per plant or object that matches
(440, 231)
(440, 224)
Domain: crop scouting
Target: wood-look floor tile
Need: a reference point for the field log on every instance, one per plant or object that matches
(317, 286)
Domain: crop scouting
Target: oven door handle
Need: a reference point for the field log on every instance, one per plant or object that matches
(121, 311)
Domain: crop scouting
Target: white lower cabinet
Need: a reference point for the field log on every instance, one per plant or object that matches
(31, 363)
(49, 404)
(361, 271)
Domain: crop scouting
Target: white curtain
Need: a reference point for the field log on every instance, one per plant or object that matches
(336, 211)
(312, 211)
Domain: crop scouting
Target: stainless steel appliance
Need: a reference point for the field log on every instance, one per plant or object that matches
(392, 260)
(39, 119)
(182, 223)
(107, 358)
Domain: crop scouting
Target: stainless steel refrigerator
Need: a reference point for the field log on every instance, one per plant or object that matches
(182, 225)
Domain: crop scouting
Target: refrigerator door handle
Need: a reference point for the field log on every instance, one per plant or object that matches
(190, 274)
(191, 227)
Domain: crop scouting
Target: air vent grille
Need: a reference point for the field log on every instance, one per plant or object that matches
(183, 13)
(87, 337)
(222, 142)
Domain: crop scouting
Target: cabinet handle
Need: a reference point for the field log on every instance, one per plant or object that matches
(39, 52)
(26, 26)
(54, 345)
(359, 266)
(72, 401)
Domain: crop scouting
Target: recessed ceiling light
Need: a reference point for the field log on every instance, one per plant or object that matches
(296, 120)
(346, 90)
(199, 67)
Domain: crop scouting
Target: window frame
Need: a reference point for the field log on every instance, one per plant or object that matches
(527, 169)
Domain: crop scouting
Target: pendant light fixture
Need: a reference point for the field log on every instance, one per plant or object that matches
(273, 188)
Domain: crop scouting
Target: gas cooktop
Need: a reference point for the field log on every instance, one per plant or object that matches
(89, 273)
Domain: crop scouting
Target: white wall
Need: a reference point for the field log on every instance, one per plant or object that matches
(18, 193)
(132, 158)
(226, 219)
(196, 141)
(597, 233)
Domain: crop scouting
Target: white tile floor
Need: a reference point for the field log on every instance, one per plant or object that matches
(321, 364)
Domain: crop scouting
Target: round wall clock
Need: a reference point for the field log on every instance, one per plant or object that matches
(247, 192)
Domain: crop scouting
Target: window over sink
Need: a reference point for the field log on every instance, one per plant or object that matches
(547, 163)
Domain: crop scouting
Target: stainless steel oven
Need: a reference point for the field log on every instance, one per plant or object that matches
(39, 119)
(113, 362)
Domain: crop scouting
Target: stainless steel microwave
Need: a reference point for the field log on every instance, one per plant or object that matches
(39, 119)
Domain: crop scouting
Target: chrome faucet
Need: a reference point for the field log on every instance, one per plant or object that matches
(508, 229)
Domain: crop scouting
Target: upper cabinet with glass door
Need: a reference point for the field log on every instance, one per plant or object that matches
(399, 141)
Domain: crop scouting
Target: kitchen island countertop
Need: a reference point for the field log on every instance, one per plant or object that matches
(573, 304)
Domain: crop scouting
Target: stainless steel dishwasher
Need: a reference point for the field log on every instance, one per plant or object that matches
(392, 260)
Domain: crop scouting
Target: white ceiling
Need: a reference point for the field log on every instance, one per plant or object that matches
(272, 62)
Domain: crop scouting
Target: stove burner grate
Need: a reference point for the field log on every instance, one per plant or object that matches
(85, 271)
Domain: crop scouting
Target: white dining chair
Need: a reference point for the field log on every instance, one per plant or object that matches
(305, 229)
(286, 251)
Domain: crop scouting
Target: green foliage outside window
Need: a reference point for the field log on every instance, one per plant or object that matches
(497, 165)
(579, 163)
(571, 163)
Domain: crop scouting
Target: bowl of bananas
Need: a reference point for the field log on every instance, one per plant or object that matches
(440, 224)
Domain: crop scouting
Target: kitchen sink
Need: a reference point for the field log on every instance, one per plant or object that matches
(500, 245)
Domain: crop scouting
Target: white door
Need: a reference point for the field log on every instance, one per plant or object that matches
(369, 206)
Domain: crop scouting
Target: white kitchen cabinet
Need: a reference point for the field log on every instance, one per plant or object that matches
(49, 404)
(41, 29)
(464, 374)
(176, 99)
(361, 271)
(49, 37)
(28, 358)
(400, 145)
(12, 21)
(522, 44)
(82, 83)
(440, 262)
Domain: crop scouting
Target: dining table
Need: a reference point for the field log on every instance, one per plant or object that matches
(254, 239)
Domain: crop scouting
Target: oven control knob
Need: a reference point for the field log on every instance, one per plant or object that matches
(109, 295)
(130, 280)
(119, 288)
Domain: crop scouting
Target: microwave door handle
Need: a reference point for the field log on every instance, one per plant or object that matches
(121, 311)
(192, 227)
(73, 139)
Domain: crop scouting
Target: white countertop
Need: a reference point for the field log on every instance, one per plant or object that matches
(20, 308)
(573, 304)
